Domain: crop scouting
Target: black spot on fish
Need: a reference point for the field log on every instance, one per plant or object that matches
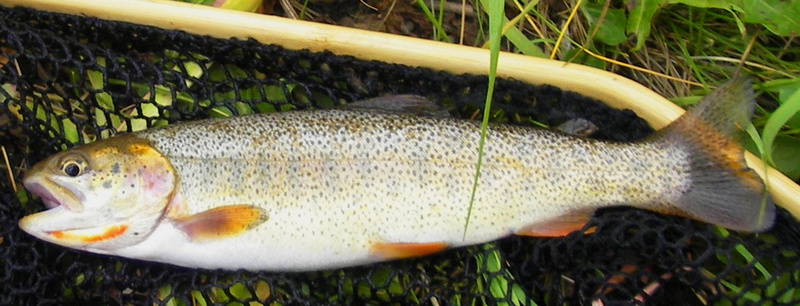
(115, 168)
(107, 184)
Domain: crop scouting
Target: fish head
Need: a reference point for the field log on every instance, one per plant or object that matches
(102, 196)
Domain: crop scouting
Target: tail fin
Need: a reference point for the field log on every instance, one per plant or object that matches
(724, 190)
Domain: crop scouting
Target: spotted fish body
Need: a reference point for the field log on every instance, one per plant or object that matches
(333, 188)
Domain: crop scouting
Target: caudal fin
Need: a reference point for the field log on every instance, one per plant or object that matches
(724, 191)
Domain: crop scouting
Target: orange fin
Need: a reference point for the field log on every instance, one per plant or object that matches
(557, 227)
(406, 250)
(221, 222)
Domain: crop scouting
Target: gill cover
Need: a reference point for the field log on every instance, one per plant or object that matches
(101, 196)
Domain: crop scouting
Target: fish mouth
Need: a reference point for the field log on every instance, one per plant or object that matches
(64, 222)
(54, 194)
(47, 197)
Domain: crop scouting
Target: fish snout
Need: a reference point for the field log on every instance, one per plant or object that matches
(54, 194)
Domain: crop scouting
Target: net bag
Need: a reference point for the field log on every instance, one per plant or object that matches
(67, 80)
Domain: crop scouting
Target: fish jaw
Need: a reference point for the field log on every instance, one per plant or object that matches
(65, 222)
(68, 221)
(61, 226)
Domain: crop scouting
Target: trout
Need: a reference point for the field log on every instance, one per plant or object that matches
(312, 190)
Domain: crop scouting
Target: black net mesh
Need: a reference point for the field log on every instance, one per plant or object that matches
(67, 80)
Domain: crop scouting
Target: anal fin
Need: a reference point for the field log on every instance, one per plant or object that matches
(406, 250)
(220, 222)
(558, 227)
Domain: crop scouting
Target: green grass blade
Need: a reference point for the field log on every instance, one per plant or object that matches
(440, 34)
(495, 9)
(515, 36)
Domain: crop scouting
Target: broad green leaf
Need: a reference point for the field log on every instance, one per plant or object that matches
(193, 69)
(778, 16)
(640, 17)
(275, 93)
(240, 291)
(781, 17)
(612, 29)
(104, 100)
(501, 285)
(197, 298)
(70, 131)
(785, 150)
(100, 119)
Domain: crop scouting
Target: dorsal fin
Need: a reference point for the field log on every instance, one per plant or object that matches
(398, 105)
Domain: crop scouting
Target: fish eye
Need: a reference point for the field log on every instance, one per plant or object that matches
(71, 168)
(73, 165)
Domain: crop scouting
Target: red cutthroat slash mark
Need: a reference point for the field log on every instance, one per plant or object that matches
(111, 232)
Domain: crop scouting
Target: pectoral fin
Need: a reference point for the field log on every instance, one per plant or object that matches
(406, 250)
(558, 227)
(221, 222)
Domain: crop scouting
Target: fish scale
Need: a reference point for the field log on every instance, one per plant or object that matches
(310, 190)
